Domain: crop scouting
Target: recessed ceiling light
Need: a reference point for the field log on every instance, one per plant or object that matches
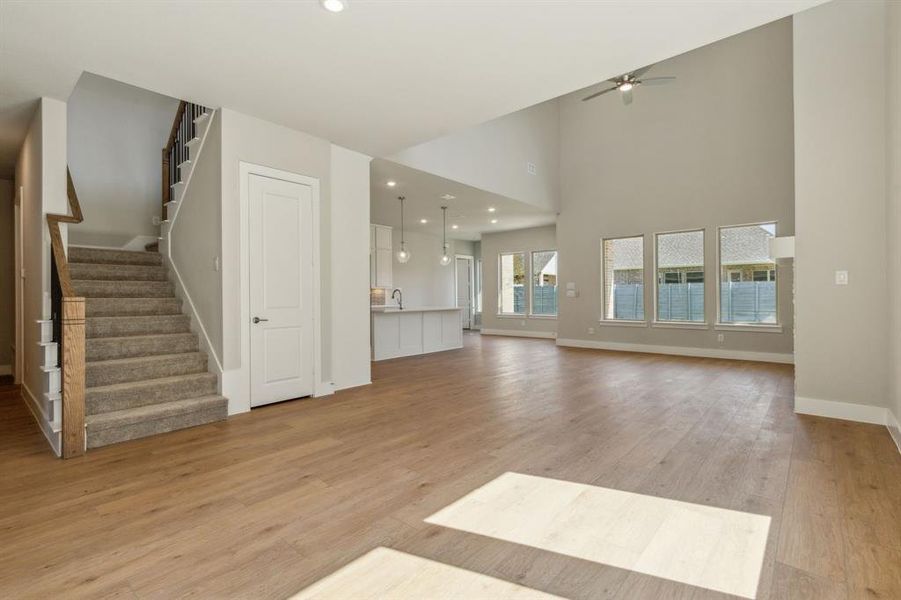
(334, 6)
(448, 197)
(455, 227)
(423, 221)
(491, 209)
(493, 221)
(391, 183)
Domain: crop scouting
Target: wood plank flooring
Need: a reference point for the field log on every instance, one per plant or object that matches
(267, 503)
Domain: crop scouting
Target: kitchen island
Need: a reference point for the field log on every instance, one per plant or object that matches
(415, 330)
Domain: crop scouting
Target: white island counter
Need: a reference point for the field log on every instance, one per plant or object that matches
(415, 330)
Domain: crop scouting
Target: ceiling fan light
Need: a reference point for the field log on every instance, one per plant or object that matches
(625, 86)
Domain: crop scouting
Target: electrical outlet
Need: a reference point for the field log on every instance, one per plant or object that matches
(841, 278)
(720, 338)
(156, 220)
(591, 330)
(531, 169)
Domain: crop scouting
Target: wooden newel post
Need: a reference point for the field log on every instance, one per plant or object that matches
(73, 374)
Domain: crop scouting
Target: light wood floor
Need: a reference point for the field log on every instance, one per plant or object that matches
(266, 503)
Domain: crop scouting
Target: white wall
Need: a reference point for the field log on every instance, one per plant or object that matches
(116, 132)
(423, 281)
(492, 245)
(493, 156)
(350, 269)
(841, 341)
(712, 148)
(196, 243)
(41, 171)
(7, 276)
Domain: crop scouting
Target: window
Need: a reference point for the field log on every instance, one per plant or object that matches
(680, 276)
(623, 278)
(479, 286)
(747, 274)
(544, 283)
(511, 288)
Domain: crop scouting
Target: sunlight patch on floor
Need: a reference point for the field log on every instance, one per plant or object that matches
(387, 574)
(704, 546)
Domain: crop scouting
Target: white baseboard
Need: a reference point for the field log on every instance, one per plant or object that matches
(53, 437)
(6, 369)
(847, 411)
(894, 427)
(347, 386)
(772, 357)
(548, 335)
(323, 388)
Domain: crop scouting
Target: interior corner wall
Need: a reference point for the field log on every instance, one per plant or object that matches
(196, 243)
(712, 148)
(520, 240)
(116, 132)
(893, 201)
(494, 156)
(41, 172)
(7, 276)
(841, 342)
(350, 269)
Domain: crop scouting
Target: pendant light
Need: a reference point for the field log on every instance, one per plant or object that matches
(402, 255)
(445, 259)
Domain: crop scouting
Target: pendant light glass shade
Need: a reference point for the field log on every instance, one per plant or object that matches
(445, 258)
(403, 255)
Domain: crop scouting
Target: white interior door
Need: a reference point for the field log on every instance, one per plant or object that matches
(281, 290)
(464, 289)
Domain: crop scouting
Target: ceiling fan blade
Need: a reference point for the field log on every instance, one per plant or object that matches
(657, 80)
(596, 94)
(627, 97)
(637, 73)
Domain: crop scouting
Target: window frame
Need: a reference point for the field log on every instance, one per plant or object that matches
(702, 324)
(644, 278)
(531, 311)
(527, 269)
(741, 326)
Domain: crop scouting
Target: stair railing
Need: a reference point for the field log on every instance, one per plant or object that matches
(176, 150)
(69, 330)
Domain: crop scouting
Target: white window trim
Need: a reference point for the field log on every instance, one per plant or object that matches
(761, 328)
(525, 311)
(681, 324)
(742, 326)
(625, 322)
(705, 324)
(622, 323)
(532, 287)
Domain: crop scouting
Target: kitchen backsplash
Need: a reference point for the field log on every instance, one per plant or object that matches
(377, 296)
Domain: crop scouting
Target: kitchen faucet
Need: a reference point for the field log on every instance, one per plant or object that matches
(400, 298)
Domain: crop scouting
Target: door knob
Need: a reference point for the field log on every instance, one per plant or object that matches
(258, 320)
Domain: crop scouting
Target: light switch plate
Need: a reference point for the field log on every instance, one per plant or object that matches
(841, 278)
(570, 293)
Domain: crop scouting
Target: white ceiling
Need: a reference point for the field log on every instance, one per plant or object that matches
(468, 210)
(379, 77)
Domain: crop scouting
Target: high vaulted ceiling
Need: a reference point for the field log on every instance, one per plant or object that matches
(378, 77)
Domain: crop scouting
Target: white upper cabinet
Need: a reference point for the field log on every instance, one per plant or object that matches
(380, 256)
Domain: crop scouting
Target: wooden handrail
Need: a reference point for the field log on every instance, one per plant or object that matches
(167, 151)
(72, 331)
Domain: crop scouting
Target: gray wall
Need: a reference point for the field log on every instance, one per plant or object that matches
(713, 148)
(116, 132)
(7, 275)
(493, 156)
(840, 143)
(522, 240)
(893, 183)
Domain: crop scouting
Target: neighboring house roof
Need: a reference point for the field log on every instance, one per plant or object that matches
(740, 246)
(746, 245)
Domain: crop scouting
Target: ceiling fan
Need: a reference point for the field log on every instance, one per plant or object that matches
(626, 83)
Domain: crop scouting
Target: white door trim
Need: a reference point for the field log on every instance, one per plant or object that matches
(472, 286)
(245, 169)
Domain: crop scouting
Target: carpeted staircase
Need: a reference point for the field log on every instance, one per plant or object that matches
(145, 373)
